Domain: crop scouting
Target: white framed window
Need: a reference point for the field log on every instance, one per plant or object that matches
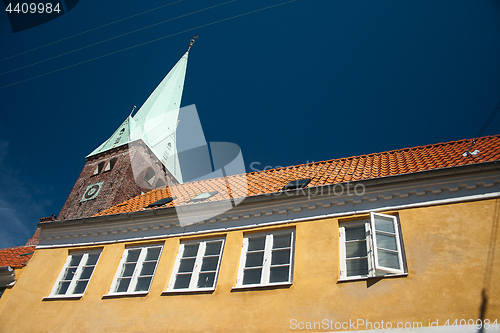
(371, 247)
(136, 270)
(75, 274)
(266, 259)
(197, 265)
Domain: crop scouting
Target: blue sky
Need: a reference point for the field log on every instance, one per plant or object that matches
(299, 82)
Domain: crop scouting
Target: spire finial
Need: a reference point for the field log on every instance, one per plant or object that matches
(192, 41)
(132, 111)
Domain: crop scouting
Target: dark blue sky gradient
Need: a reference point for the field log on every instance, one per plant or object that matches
(305, 81)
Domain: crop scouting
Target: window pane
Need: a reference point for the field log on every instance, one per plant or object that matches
(153, 253)
(92, 260)
(190, 250)
(209, 264)
(143, 283)
(256, 243)
(213, 248)
(388, 259)
(206, 280)
(80, 287)
(357, 267)
(254, 259)
(280, 257)
(355, 249)
(384, 224)
(252, 276)
(182, 281)
(279, 274)
(128, 269)
(122, 285)
(186, 265)
(133, 255)
(355, 233)
(148, 268)
(386, 242)
(283, 240)
(70, 272)
(63, 286)
(86, 273)
(75, 259)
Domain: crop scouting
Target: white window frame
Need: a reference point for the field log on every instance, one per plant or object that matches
(266, 268)
(76, 277)
(374, 268)
(137, 270)
(193, 284)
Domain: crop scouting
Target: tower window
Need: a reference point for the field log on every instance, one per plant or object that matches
(111, 164)
(149, 177)
(99, 168)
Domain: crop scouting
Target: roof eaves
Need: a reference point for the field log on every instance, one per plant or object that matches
(424, 174)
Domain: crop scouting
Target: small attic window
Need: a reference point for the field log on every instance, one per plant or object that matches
(295, 184)
(204, 196)
(160, 202)
(112, 163)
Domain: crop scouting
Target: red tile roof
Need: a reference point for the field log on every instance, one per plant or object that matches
(16, 256)
(377, 165)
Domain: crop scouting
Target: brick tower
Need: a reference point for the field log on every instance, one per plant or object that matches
(141, 155)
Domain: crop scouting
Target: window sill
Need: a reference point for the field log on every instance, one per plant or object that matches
(62, 297)
(363, 278)
(187, 291)
(116, 295)
(262, 286)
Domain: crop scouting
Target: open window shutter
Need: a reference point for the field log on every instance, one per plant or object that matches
(386, 244)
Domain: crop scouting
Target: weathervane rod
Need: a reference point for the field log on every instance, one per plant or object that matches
(191, 42)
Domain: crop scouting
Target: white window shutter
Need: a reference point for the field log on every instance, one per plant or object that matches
(387, 252)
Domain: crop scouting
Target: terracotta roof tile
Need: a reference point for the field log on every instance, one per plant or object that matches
(354, 168)
(16, 256)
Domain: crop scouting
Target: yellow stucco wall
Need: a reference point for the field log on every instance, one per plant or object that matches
(5, 296)
(446, 250)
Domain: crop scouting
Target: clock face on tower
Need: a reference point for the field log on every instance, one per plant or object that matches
(92, 191)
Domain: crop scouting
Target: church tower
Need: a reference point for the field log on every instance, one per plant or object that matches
(141, 155)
